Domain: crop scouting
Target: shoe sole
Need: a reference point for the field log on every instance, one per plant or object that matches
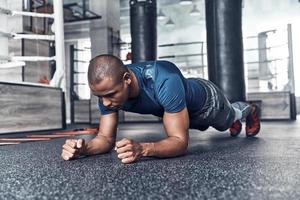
(257, 110)
(237, 133)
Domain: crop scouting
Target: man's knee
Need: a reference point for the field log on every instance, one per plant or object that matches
(225, 123)
(199, 127)
(222, 128)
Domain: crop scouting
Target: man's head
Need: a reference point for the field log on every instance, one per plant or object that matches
(104, 66)
(109, 79)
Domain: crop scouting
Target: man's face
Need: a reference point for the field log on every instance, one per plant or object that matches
(111, 93)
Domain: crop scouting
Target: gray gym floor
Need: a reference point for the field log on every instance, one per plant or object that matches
(216, 166)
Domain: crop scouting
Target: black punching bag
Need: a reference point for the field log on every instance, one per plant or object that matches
(225, 47)
(143, 30)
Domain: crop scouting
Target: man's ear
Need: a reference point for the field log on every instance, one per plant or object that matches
(127, 78)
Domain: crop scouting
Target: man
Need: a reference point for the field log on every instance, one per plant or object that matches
(158, 88)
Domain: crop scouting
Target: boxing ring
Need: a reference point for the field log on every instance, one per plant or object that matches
(31, 106)
(58, 37)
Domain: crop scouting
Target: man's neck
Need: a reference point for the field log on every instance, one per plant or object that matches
(134, 86)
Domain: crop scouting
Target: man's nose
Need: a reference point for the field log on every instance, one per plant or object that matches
(106, 102)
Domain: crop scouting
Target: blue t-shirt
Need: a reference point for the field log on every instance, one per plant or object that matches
(162, 88)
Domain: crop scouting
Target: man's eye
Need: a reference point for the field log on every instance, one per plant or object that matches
(110, 95)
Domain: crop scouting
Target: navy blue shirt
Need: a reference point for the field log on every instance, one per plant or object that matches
(162, 88)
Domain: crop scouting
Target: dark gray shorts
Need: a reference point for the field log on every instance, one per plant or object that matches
(216, 112)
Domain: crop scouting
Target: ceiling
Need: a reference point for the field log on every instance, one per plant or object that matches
(179, 14)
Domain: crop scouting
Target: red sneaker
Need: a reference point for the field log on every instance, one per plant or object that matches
(253, 121)
(235, 128)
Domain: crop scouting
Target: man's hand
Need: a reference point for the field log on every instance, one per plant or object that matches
(128, 150)
(72, 148)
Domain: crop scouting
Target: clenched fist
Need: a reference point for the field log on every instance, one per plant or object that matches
(72, 148)
(128, 150)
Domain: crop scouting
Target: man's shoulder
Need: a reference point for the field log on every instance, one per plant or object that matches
(156, 71)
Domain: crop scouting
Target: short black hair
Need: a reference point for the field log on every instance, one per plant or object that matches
(105, 65)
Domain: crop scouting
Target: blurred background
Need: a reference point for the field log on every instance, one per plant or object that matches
(270, 34)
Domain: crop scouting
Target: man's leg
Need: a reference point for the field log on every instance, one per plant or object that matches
(217, 111)
(223, 115)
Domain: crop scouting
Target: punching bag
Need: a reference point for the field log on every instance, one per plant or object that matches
(225, 47)
(143, 30)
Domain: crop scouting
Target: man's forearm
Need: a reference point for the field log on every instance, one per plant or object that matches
(169, 147)
(98, 145)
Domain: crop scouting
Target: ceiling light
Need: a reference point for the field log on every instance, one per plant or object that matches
(170, 23)
(185, 2)
(195, 11)
(161, 15)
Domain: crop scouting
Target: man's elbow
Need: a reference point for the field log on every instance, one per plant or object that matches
(182, 147)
